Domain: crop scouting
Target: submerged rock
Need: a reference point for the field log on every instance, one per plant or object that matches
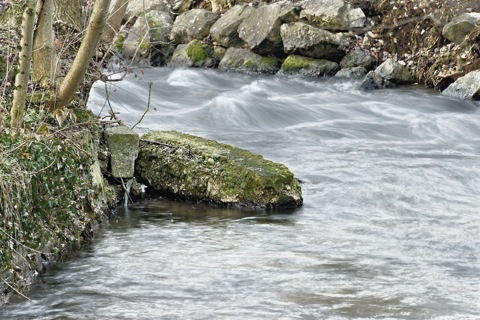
(466, 87)
(193, 168)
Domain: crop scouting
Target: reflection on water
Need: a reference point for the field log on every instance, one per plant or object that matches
(390, 227)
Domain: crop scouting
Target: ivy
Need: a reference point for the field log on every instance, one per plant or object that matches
(44, 196)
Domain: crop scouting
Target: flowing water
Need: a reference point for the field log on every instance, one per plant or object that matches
(390, 227)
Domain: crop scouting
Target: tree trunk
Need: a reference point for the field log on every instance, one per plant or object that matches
(21, 79)
(114, 21)
(70, 13)
(83, 57)
(43, 67)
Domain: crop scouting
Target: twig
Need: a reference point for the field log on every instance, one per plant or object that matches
(148, 104)
(18, 292)
(158, 143)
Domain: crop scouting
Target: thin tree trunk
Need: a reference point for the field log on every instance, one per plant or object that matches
(84, 56)
(21, 79)
(114, 21)
(69, 12)
(43, 67)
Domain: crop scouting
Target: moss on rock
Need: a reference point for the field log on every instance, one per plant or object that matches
(196, 52)
(295, 64)
(193, 168)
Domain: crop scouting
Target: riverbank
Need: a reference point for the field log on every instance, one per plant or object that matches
(53, 198)
(437, 43)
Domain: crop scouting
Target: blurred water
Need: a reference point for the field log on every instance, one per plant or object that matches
(390, 227)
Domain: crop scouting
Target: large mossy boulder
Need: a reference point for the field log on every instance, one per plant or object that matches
(460, 26)
(225, 30)
(192, 168)
(466, 87)
(306, 40)
(193, 24)
(298, 65)
(261, 29)
(243, 60)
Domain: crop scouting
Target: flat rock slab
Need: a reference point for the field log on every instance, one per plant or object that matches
(192, 168)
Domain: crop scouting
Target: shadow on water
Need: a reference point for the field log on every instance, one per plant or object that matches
(160, 210)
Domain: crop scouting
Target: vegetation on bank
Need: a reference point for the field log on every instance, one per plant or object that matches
(47, 199)
(411, 30)
(51, 190)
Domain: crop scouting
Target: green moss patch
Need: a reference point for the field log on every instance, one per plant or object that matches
(196, 52)
(294, 63)
(190, 167)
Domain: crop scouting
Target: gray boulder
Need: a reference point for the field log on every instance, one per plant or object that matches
(353, 72)
(243, 60)
(193, 24)
(261, 29)
(194, 54)
(332, 14)
(466, 87)
(358, 58)
(192, 168)
(160, 25)
(394, 72)
(298, 65)
(303, 39)
(225, 30)
(135, 42)
(181, 6)
(457, 29)
(137, 8)
(149, 35)
(374, 81)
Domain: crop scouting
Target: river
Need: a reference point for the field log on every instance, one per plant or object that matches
(389, 229)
